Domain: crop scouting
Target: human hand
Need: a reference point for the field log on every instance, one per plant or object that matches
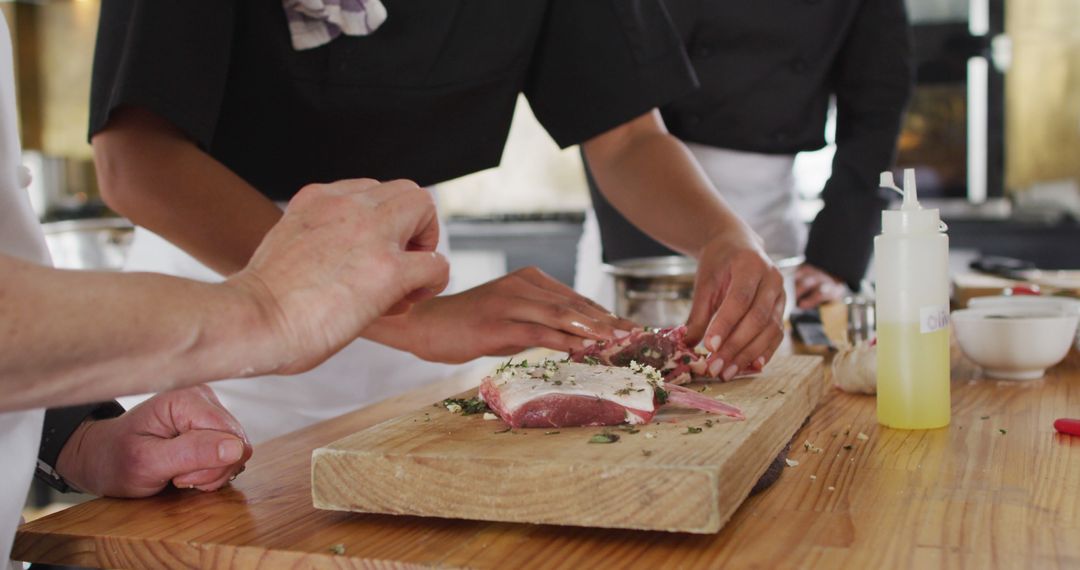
(524, 309)
(343, 254)
(184, 436)
(813, 286)
(738, 305)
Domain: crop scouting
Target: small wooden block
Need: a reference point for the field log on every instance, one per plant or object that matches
(434, 463)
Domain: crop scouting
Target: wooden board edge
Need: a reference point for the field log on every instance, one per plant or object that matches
(706, 520)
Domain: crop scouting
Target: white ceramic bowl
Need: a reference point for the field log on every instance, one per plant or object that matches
(1014, 343)
(1055, 304)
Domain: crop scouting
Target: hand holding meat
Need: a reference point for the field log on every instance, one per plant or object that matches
(184, 436)
(343, 255)
(738, 305)
(524, 309)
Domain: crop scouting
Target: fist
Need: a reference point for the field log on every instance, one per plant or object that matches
(185, 437)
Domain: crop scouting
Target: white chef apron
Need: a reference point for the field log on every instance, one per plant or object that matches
(363, 373)
(760, 188)
(20, 236)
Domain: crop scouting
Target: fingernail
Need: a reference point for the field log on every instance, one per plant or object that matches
(714, 343)
(730, 372)
(619, 333)
(715, 367)
(230, 450)
(588, 342)
(760, 362)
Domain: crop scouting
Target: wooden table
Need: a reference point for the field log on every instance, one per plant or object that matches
(997, 488)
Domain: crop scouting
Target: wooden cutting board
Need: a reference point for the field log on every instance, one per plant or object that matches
(668, 476)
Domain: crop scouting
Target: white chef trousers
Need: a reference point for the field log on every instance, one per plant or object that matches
(760, 188)
(363, 373)
(21, 237)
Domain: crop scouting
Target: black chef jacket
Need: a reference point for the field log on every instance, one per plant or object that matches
(767, 70)
(428, 96)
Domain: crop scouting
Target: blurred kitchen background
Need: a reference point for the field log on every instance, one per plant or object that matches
(994, 129)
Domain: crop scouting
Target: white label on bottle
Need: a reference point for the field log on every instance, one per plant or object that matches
(933, 318)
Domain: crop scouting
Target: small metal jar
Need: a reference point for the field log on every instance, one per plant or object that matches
(659, 291)
(654, 291)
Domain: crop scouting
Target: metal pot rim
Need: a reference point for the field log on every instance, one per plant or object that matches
(86, 224)
(678, 266)
(659, 266)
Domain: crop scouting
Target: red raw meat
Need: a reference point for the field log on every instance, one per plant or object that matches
(566, 394)
(663, 349)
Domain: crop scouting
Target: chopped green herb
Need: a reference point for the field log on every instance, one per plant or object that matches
(661, 395)
(646, 452)
(848, 447)
(468, 407)
(622, 392)
(592, 360)
(557, 382)
(550, 432)
(985, 418)
(781, 392)
(686, 359)
(1003, 431)
(708, 423)
(628, 429)
(504, 430)
(605, 437)
(692, 429)
(337, 549)
(703, 389)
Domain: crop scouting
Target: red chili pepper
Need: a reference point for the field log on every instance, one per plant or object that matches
(1023, 289)
(1067, 426)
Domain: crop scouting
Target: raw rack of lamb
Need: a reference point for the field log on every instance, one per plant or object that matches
(566, 394)
(663, 349)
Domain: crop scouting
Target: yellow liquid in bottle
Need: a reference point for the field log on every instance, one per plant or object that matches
(912, 376)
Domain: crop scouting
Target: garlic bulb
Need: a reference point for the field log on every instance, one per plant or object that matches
(854, 368)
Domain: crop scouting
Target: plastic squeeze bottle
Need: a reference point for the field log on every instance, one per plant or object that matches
(911, 261)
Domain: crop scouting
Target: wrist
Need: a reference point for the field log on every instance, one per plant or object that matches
(404, 331)
(255, 315)
(72, 463)
(734, 234)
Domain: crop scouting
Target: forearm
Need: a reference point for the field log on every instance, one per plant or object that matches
(841, 236)
(654, 181)
(162, 181)
(122, 334)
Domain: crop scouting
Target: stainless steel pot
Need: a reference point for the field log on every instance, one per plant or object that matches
(659, 291)
(97, 243)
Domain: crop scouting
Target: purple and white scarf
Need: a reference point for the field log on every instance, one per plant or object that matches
(313, 23)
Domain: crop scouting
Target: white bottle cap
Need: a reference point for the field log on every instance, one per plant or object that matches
(911, 217)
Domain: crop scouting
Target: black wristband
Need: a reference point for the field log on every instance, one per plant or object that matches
(59, 424)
